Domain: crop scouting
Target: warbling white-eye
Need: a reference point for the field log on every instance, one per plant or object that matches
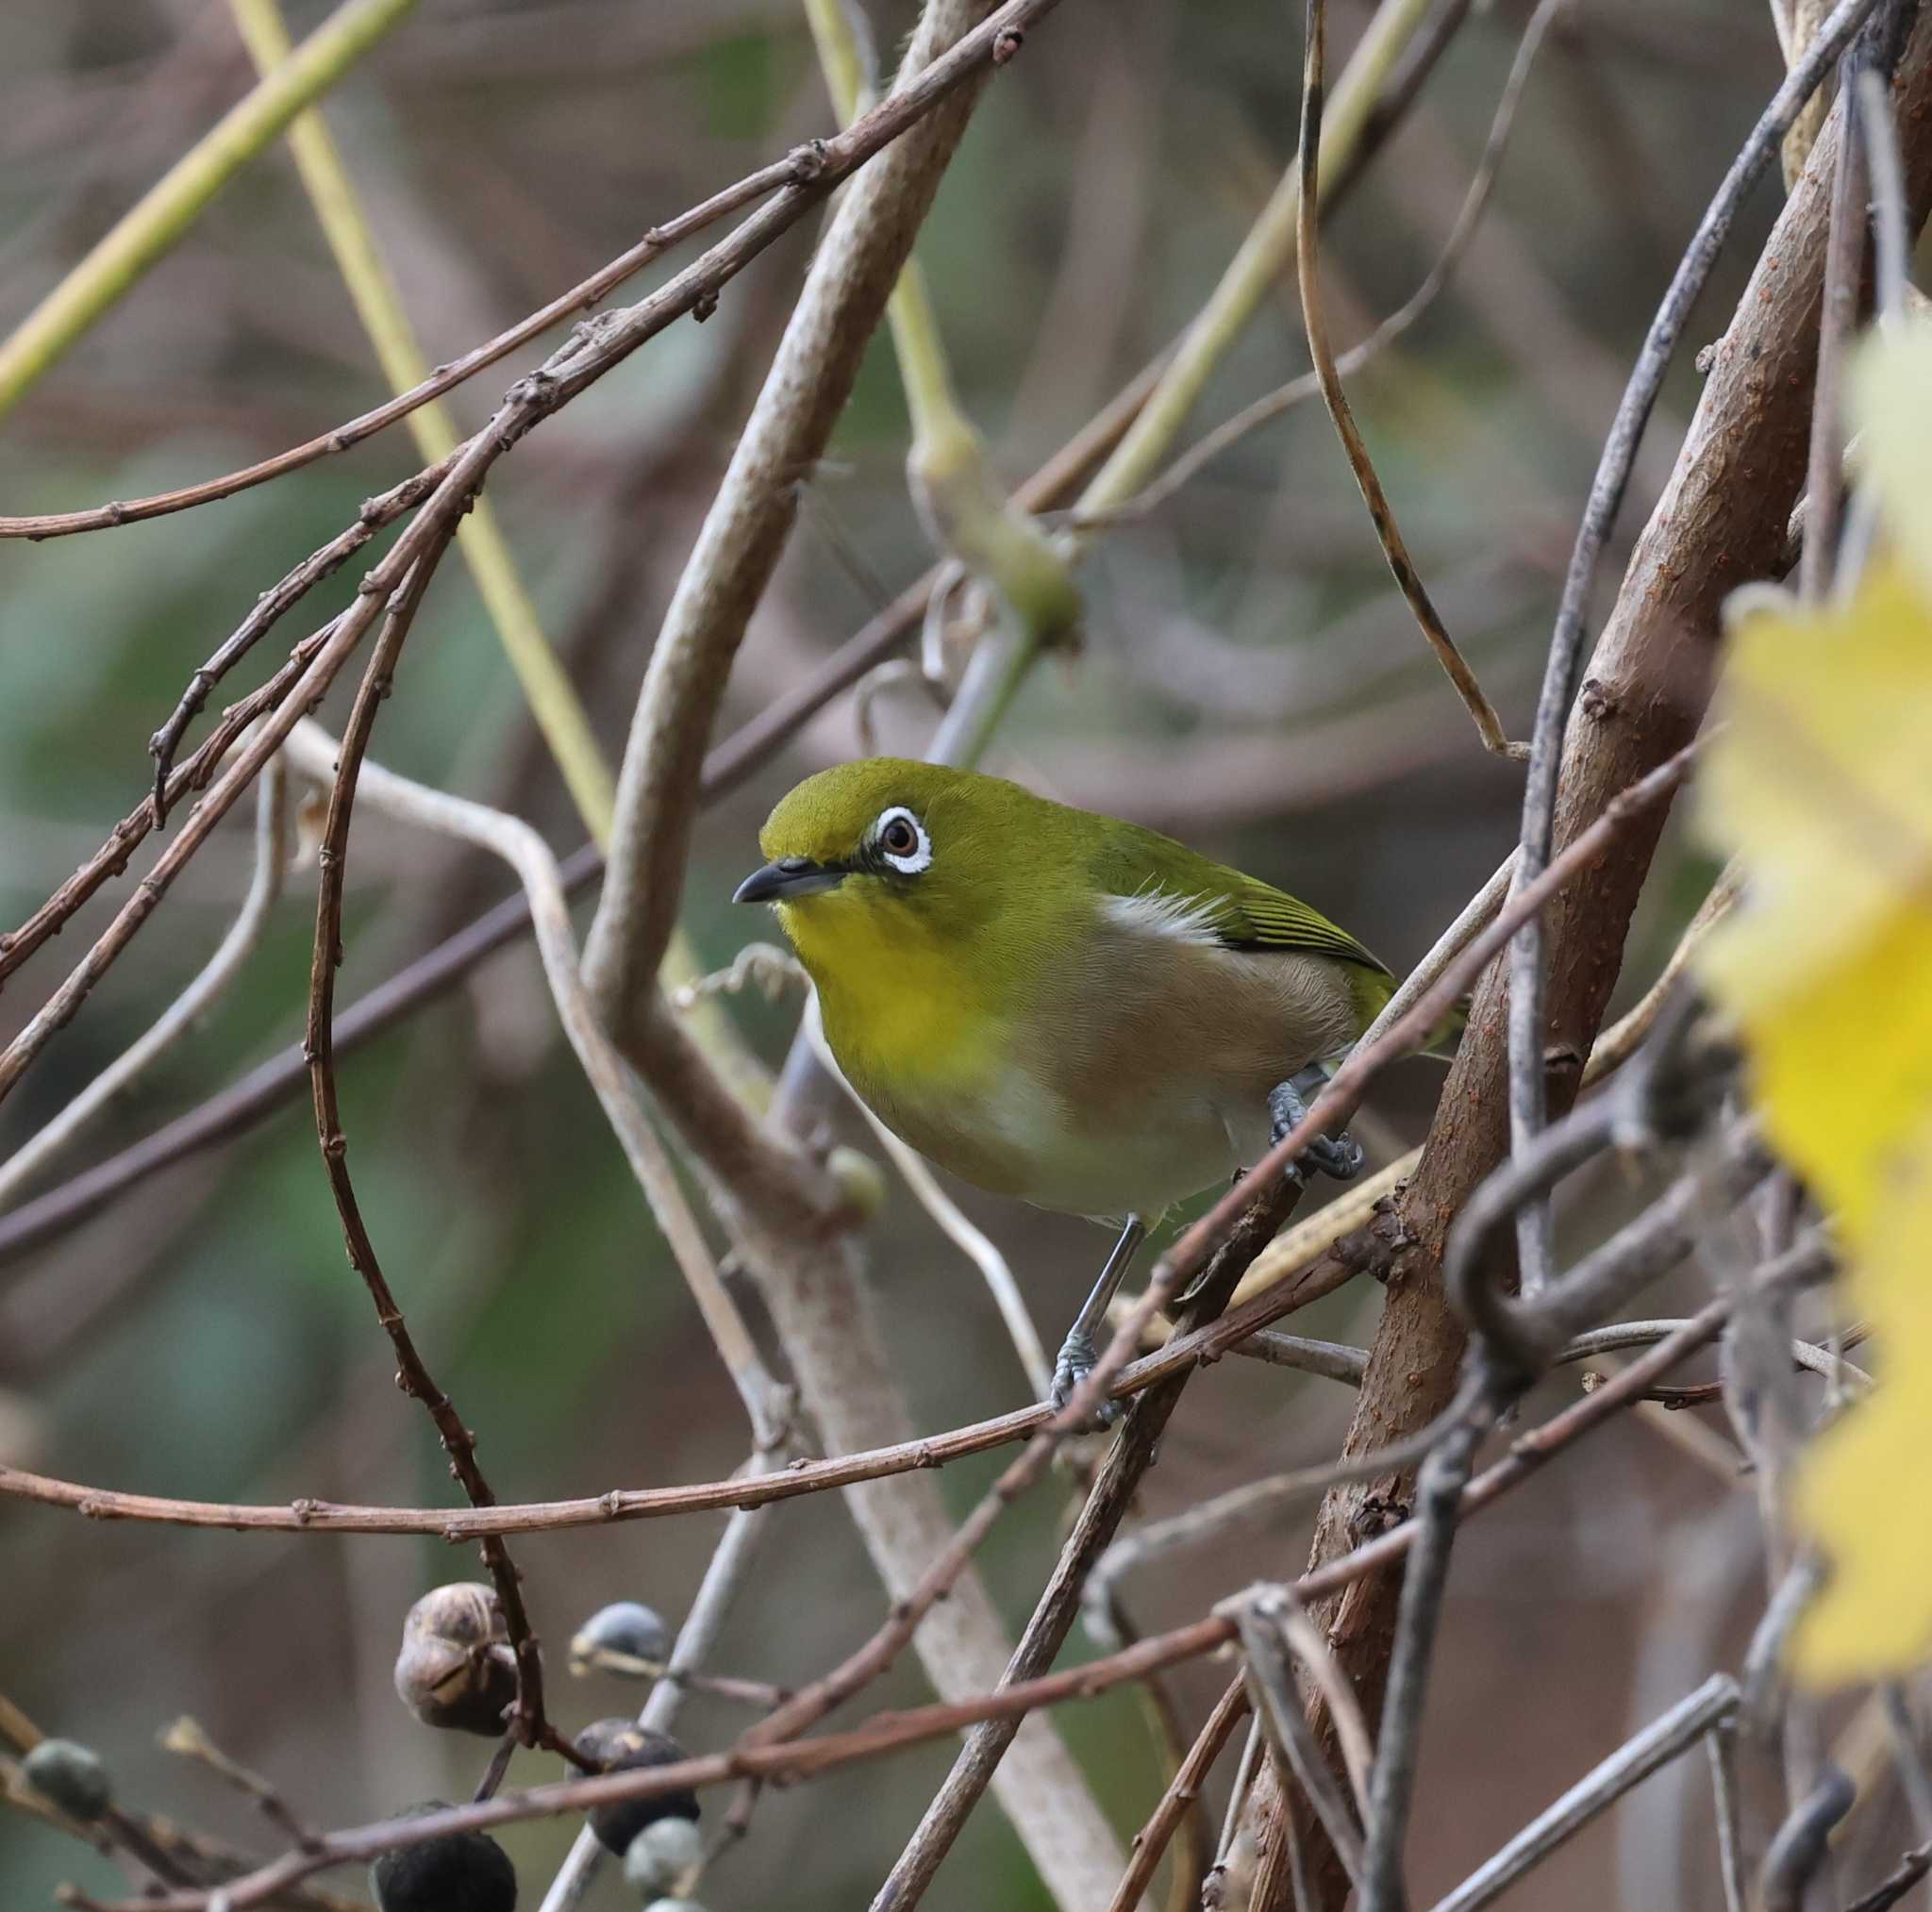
(1055, 1004)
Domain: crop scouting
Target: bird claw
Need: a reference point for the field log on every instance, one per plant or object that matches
(1076, 1360)
(1339, 1158)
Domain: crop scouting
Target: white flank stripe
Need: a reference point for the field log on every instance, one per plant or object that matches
(1157, 912)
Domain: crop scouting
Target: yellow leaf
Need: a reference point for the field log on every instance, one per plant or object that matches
(1822, 781)
(1861, 1493)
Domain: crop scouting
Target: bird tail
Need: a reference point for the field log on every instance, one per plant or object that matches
(1448, 1035)
(1372, 997)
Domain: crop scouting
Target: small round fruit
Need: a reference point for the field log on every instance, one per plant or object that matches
(623, 1746)
(455, 1667)
(70, 1775)
(458, 1872)
(663, 1853)
(626, 1627)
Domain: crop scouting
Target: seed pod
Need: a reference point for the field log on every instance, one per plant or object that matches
(456, 1668)
(626, 1629)
(663, 1855)
(623, 1746)
(70, 1775)
(458, 1872)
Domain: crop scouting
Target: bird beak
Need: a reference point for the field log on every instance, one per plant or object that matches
(788, 877)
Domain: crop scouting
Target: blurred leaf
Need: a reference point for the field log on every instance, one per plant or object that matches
(1822, 782)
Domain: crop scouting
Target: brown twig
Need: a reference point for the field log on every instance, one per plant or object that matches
(1307, 274)
(657, 240)
(187, 1738)
(553, 385)
(1327, 1273)
(413, 1375)
(1644, 698)
(886, 1732)
(1837, 317)
(1192, 461)
(1178, 1798)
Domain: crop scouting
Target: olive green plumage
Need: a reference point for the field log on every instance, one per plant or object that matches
(1052, 1003)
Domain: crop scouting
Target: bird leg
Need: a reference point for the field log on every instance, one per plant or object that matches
(1339, 1156)
(1077, 1352)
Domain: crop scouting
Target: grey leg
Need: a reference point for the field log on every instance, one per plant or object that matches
(1077, 1352)
(1338, 1156)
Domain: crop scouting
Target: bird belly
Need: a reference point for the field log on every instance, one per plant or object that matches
(1016, 1135)
(1139, 1078)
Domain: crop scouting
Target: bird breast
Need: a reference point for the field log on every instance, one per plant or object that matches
(1137, 1074)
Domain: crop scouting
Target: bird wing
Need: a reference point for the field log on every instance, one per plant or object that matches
(1169, 890)
(1257, 916)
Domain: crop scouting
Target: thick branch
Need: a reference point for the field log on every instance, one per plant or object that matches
(1721, 522)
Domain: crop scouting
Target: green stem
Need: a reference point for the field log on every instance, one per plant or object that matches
(968, 511)
(1266, 253)
(553, 704)
(149, 228)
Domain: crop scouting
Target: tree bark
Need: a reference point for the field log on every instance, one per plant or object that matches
(1721, 523)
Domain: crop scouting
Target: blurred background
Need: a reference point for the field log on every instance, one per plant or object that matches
(1250, 681)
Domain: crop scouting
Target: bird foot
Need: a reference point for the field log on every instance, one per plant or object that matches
(1076, 1360)
(1339, 1158)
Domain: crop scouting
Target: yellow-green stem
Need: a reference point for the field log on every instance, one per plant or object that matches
(553, 700)
(969, 512)
(1266, 253)
(929, 398)
(149, 228)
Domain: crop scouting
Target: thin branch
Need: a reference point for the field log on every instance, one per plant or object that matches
(1190, 463)
(1838, 317)
(1177, 1800)
(1892, 230)
(1277, 1703)
(310, 1516)
(1489, 726)
(553, 704)
(232, 953)
(1567, 642)
(525, 852)
(656, 241)
(187, 1737)
(1890, 1891)
(724, 1577)
(887, 1732)
(1703, 1712)
(561, 378)
(1438, 1503)
(1798, 1852)
(413, 1376)
(157, 222)
(1721, 1744)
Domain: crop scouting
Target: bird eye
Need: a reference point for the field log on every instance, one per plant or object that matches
(902, 840)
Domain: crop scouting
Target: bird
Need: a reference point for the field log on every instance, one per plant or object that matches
(1055, 1004)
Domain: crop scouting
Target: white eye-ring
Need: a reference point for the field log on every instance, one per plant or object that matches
(901, 840)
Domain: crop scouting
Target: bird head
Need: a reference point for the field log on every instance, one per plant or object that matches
(889, 845)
